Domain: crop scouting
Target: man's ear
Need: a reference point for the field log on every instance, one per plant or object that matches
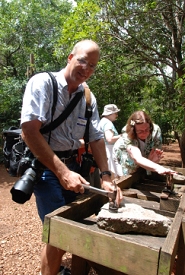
(70, 57)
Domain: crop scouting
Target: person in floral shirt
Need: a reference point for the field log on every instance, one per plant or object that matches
(139, 145)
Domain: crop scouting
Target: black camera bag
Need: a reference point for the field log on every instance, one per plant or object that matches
(11, 136)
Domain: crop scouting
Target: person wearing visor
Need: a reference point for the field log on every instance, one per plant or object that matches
(109, 115)
(139, 145)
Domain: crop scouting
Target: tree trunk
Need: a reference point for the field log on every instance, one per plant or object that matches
(178, 138)
(182, 148)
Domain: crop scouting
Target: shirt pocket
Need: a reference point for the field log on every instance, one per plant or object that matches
(80, 127)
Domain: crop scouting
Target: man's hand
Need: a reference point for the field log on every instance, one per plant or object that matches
(109, 186)
(72, 181)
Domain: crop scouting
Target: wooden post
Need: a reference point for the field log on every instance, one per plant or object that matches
(182, 148)
(31, 68)
(180, 265)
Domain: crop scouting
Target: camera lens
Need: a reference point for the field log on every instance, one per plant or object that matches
(23, 188)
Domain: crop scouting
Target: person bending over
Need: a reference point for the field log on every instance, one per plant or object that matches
(139, 145)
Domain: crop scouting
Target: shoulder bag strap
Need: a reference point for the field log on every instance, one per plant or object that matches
(88, 114)
(55, 93)
(55, 97)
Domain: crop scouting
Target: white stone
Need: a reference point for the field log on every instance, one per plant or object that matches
(133, 218)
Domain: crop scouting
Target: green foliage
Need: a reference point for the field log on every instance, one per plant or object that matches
(83, 23)
(30, 27)
(11, 98)
(150, 35)
(139, 40)
(27, 27)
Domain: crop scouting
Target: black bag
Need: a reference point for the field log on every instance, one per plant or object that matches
(11, 152)
(87, 159)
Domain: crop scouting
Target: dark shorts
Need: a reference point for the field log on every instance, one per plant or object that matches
(49, 193)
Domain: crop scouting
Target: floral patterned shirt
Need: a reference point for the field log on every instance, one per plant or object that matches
(121, 156)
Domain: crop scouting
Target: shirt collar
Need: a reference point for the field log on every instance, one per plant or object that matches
(64, 83)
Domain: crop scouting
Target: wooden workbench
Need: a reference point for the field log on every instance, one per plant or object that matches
(73, 228)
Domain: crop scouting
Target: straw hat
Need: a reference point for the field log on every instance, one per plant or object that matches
(110, 109)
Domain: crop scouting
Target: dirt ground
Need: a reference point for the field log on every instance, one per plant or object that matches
(21, 229)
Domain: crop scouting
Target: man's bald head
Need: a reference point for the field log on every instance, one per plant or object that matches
(88, 44)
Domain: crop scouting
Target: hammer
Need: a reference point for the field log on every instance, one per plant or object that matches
(113, 207)
(169, 184)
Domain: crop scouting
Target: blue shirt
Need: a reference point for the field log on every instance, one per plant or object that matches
(37, 103)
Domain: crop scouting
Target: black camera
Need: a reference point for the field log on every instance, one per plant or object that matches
(86, 164)
(23, 187)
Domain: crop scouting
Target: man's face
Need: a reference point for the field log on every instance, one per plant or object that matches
(82, 64)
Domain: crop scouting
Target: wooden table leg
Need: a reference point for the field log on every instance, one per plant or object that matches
(102, 270)
(79, 266)
(180, 266)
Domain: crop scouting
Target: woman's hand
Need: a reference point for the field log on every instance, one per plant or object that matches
(155, 155)
(162, 170)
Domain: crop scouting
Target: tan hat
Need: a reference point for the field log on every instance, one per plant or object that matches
(110, 109)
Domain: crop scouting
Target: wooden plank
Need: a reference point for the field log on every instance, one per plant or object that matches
(46, 230)
(85, 206)
(143, 194)
(183, 226)
(170, 246)
(127, 181)
(170, 204)
(103, 247)
(151, 186)
(180, 265)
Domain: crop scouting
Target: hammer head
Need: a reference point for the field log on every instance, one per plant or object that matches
(169, 182)
(113, 207)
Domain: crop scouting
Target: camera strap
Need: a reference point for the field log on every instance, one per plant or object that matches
(54, 124)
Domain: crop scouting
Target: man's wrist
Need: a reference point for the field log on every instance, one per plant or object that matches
(105, 173)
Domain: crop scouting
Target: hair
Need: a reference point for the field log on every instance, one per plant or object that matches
(138, 117)
(81, 43)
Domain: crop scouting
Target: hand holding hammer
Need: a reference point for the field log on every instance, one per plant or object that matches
(115, 195)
